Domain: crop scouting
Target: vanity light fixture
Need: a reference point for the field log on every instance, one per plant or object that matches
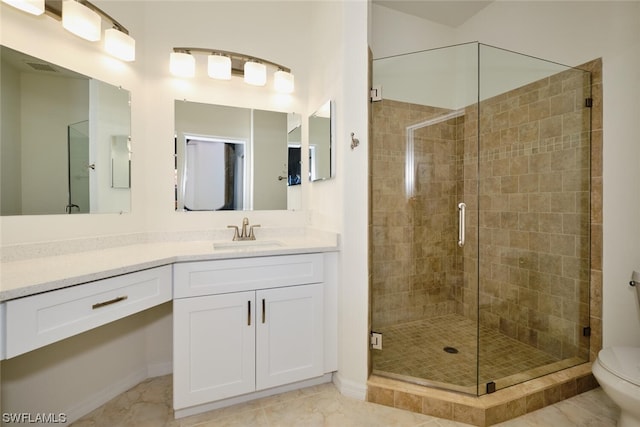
(34, 7)
(84, 19)
(222, 65)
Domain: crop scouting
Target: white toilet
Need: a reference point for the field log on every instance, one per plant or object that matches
(617, 369)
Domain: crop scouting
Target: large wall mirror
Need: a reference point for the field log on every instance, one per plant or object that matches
(64, 146)
(321, 147)
(231, 158)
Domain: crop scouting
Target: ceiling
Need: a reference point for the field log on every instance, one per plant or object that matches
(450, 12)
(29, 64)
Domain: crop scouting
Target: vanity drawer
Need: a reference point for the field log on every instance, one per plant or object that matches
(243, 274)
(42, 319)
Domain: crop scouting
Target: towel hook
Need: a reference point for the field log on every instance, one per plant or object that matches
(635, 279)
(354, 141)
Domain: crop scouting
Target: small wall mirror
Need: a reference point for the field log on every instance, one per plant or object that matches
(231, 158)
(57, 144)
(321, 147)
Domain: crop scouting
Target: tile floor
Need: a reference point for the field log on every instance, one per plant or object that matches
(415, 351)
(149, 404)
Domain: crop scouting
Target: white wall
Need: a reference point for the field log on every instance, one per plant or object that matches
(10, 170)
(354, 168)
(571, 33)
(395, 33)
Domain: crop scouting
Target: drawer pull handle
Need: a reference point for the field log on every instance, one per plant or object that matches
(111, 301)
(263, 311)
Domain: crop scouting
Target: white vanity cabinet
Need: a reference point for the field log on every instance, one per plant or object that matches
(245, 325)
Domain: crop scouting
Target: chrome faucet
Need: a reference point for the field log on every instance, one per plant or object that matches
(244, 234)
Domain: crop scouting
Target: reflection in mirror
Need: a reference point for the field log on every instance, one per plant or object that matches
(294, 142)
(321, 149)
(56, 142)
(120, 162)
(230, 158)
(78, 151)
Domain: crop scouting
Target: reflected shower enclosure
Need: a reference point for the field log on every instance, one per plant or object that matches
(480, 211)
(78, 161)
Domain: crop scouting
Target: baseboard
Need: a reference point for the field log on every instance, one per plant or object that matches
(159, 369)
(350, 388)
(193, 410)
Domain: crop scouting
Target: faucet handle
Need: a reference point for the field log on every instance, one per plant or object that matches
(236, 235)
(251, 235)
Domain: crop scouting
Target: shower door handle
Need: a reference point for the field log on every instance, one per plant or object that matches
(462, 212)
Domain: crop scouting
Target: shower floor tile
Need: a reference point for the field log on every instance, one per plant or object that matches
(415, 352)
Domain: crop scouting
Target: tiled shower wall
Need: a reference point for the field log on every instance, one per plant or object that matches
(534, 197)
(414, 267)
(533, 214)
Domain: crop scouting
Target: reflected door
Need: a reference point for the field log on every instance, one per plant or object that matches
(79, 168)
(269, 168)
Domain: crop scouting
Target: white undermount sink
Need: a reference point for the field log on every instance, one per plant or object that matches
(247, 244)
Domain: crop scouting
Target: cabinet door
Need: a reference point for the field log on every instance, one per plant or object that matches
(214, 347)
(289, 340)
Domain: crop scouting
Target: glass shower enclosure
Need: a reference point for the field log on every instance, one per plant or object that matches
(78, 167)
(480, 210)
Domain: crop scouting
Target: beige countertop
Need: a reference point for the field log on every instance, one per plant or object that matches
(32, 275)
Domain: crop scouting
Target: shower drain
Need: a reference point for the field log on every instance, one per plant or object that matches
(451, 350)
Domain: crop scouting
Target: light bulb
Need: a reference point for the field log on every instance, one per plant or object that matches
(219, 67)
(255, 73)
(120, 45)
(283, 81)
(182, 64)
(34, 7)
(81, 21)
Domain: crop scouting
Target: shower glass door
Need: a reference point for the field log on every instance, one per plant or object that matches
(424, 270)
(480, 217)
(534, 215)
